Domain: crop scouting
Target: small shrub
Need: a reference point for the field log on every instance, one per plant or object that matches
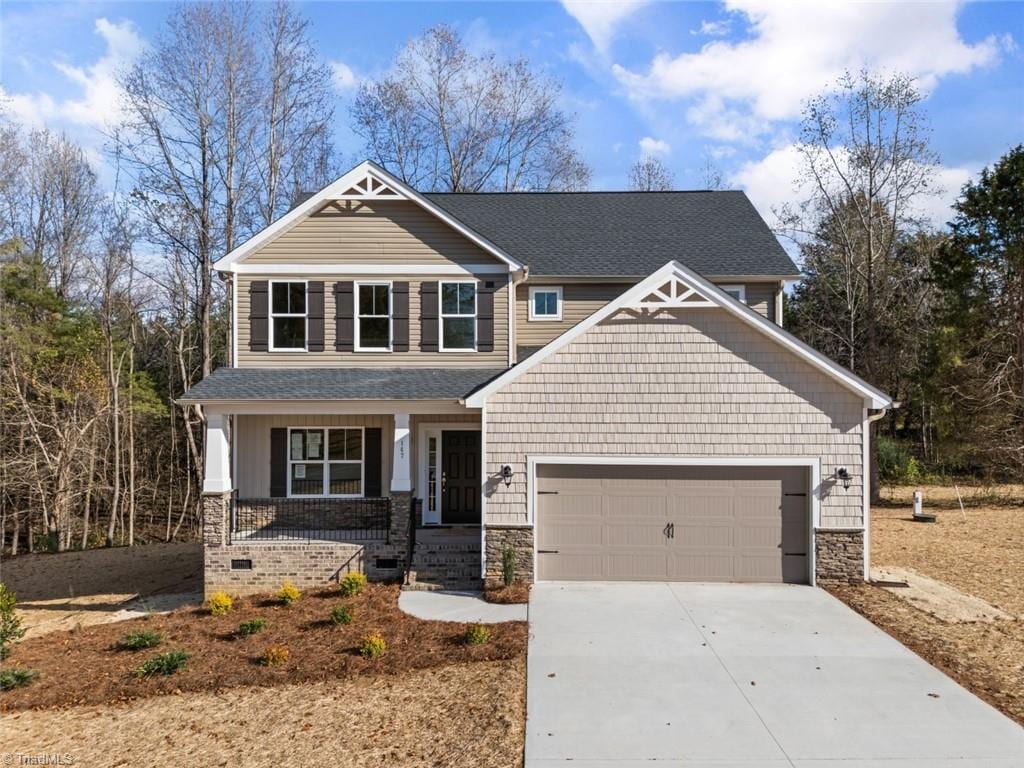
(288, 593)
(10, 622)
(373, 646)
(275, 655)
(164, 664)
(44, 542)
(477, 634)
(340, 614)
(16, 678)
(138, 641)
(251, 627)
(508, 565)
(352, 584)
(221, 604)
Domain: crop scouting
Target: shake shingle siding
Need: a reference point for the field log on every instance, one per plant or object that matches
(701, 384)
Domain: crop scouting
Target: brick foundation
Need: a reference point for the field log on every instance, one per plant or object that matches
(520, 540)
(839, 556)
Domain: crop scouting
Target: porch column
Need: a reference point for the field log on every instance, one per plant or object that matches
(401, 479)
(218, 455)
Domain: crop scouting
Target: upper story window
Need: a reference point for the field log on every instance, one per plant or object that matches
(373, 317)
(287, 316)
(325, 462)
(545, 303)
(458, 316)
(738, 292)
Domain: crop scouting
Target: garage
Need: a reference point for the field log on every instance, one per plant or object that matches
(609, 522)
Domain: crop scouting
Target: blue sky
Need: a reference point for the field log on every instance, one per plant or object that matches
(679, 80)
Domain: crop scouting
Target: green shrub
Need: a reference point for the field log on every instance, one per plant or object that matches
(508, 565)
(137, 641)
(164, 664)
(252, 626)
(477, 634)
(275, 655)
(896, 464)
(352, 584)
(340, 614)
(44, 542)
(373, 646)
(16, 678)
(288, 593)
(10, 622)
(221, 604)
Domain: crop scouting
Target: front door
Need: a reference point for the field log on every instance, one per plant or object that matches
(460, 477)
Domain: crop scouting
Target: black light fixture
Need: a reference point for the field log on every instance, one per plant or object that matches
(844, 476)
(506, 475)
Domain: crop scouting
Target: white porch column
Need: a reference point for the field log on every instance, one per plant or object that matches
(401, 479)
(218, 454)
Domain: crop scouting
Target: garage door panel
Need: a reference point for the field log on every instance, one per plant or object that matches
(700, 567)
(572, 532)
(711, 534)
(581, 566)
(636, 566)
(643, 532)
(758, 568)
(759, 537)
(640, 505)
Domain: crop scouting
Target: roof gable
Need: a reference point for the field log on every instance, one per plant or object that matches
(677, 288)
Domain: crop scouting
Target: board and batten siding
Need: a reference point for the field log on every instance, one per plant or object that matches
(698, 383)
(372, 232)
(331, 358)
(580, 300)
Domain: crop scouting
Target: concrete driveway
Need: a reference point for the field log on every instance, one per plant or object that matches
(721, 675)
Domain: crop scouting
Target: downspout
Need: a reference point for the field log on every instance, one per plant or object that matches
(513, 284)
(869, 419)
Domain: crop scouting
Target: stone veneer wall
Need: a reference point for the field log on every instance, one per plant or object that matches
(839, 556)
(307, 564)
(520, 540)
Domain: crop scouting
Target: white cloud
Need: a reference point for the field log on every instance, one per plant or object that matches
(599, 19)
(713, 28)
(342, 76)
(795, 50)
(652, 146)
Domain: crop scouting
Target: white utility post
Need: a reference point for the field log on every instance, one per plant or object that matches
(400, 475)
(218, 454)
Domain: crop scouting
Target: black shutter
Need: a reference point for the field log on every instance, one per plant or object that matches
(259, 310)
(344, 317)
(400, 317)
(485, 318)
(278, 462)
(315, 316)
(372, 463)
(428, 317)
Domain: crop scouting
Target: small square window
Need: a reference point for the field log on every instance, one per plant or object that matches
(545, 303)
(738, 292)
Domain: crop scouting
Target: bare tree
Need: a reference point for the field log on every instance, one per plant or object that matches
(711, 174)
(649, 174)
(445, 119)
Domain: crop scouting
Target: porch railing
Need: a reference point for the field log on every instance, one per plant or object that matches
(312, 519)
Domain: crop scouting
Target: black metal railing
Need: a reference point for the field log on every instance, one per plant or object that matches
(312, 519)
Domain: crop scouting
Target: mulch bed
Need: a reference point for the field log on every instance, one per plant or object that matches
(515, 593)
(85, 666)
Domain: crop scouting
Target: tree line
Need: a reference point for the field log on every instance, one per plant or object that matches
(109, 309)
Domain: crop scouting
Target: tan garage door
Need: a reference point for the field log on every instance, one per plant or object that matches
(673, 523)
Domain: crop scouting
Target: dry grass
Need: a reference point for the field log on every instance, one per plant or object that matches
(980, 552)
(459, 716)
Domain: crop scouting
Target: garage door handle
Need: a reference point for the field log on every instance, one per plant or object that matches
(670, 530)
(547, 493)
(547, 551)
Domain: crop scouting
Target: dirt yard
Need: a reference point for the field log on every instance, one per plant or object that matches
(980, 552)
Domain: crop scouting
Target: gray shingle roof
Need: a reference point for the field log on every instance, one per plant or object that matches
(624, 233)
(339, 384)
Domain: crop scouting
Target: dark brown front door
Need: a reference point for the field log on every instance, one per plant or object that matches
(460, 476)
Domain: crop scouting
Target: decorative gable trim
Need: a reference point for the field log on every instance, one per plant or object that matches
(674, 288)
(367, 181)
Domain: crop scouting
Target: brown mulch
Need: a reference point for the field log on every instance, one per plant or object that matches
(980, 552)
(85, 667)
(515, 593)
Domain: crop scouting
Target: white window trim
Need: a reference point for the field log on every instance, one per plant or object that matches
(358, 317)
(327, 462)
(557, 290)
(441, 314)
(271, 315)
(739, 288)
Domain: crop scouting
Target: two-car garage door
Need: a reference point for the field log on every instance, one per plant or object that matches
(674, 523)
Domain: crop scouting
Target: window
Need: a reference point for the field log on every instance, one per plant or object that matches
(738, 292)
(287, 316)
(545, 303)
(373, 317)
(458, 316)
(325, 462)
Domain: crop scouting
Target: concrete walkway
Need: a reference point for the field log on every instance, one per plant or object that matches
(731, 675)
(464, 607)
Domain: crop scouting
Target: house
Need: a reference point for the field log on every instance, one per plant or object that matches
(569, 385)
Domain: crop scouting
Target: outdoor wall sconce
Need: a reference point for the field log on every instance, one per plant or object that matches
(844, 476)
(506, 475)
